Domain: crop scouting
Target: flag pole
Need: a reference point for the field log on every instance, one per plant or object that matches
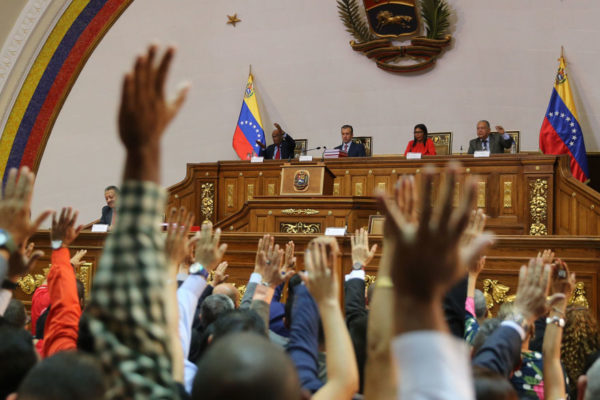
(562, 52)
(250, 69)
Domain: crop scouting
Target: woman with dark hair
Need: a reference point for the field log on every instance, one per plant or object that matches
(420, 143)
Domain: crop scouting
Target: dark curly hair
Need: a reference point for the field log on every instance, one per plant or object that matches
(580, 339)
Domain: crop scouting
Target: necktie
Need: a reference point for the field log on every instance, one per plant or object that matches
(346, 147)
(277, 155)
(484, 144)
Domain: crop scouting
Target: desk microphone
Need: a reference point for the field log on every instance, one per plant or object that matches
(323, 154)
(307, 150)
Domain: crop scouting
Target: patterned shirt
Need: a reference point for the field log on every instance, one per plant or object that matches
(127, 311)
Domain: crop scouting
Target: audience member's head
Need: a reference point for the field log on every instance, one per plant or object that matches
(213, 306)
(64, 376)
(490, 385)
(246, 366)
(230, 291)
(580, 339)
(590, 383)
(17, 357)
(111, 193)
(15, 314)
(480, 305)
(238, 321)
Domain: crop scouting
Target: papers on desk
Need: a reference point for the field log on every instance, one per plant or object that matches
(99, 228)
(413, 156)
(331, 231)
(334, 153)
(481, 153)
(257, 159)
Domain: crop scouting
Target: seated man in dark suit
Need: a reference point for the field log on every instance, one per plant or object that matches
(494, 142)
(353, 149)
(282, 148)
(111, 193)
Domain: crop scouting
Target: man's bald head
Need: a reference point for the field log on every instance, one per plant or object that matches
(230, 291)
(246, 366)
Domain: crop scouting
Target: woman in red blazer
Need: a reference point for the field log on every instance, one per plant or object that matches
(420, 143)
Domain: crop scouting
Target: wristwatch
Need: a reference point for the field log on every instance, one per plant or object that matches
(357, 266)
(56, 244)
(556, 321)
(6, 241)
(197, 269)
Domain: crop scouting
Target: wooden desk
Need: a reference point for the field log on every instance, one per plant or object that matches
(523, 194)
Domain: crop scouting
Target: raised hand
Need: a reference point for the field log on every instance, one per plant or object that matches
(319, 278)
(278, 127)
(15, 206)
(76, 260)
(64, 228)
(177, 243)
(265, 246)
(361, 254)
(208, 251)
(145, 111)
(547, 256)
(532, 290)
(500, 129)
(562, 280)
(220, 276)
(419, 273)
(289, 260)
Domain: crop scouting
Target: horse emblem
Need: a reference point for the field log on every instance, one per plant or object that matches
(386, 18)
(301, 180)
(392, 18)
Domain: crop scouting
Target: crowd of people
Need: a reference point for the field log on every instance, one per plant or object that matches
(162, 322)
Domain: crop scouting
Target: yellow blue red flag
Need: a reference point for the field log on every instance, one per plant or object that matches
(561, 132)
(249, 127)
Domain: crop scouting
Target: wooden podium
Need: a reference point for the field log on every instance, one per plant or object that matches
(306, 180)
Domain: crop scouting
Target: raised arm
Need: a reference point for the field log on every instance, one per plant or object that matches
(342, 373)
(379, 375)
(554, 380)
(420, 278)
(62, 324)
(130, 332)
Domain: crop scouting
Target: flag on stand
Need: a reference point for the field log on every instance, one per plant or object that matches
(249, 127)
(560, 132)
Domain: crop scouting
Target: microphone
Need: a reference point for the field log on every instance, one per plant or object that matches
(323, 154)
(307, 150)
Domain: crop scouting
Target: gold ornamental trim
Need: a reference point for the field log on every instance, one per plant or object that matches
(507, 195)
(299, 227)
(207, 201)
(300, 211)
(538, 207)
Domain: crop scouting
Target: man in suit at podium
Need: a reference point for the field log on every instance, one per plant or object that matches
(282, 148)
(353, 149)
(111, 193)
(494, 142)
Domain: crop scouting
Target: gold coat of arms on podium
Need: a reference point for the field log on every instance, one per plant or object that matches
(389, 22)
(301, 180)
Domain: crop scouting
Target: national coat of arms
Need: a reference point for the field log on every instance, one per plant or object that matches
(388, 22)
(301, 180)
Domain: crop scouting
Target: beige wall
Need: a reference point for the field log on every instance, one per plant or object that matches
(500, 67)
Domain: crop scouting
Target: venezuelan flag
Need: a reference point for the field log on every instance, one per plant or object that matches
(560, 132)
(249, 127)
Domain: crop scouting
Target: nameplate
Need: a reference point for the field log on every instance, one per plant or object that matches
(99, 228)
(305, 158)
(257, 159)
(335, 231)
(481, 153)
(413, 156)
